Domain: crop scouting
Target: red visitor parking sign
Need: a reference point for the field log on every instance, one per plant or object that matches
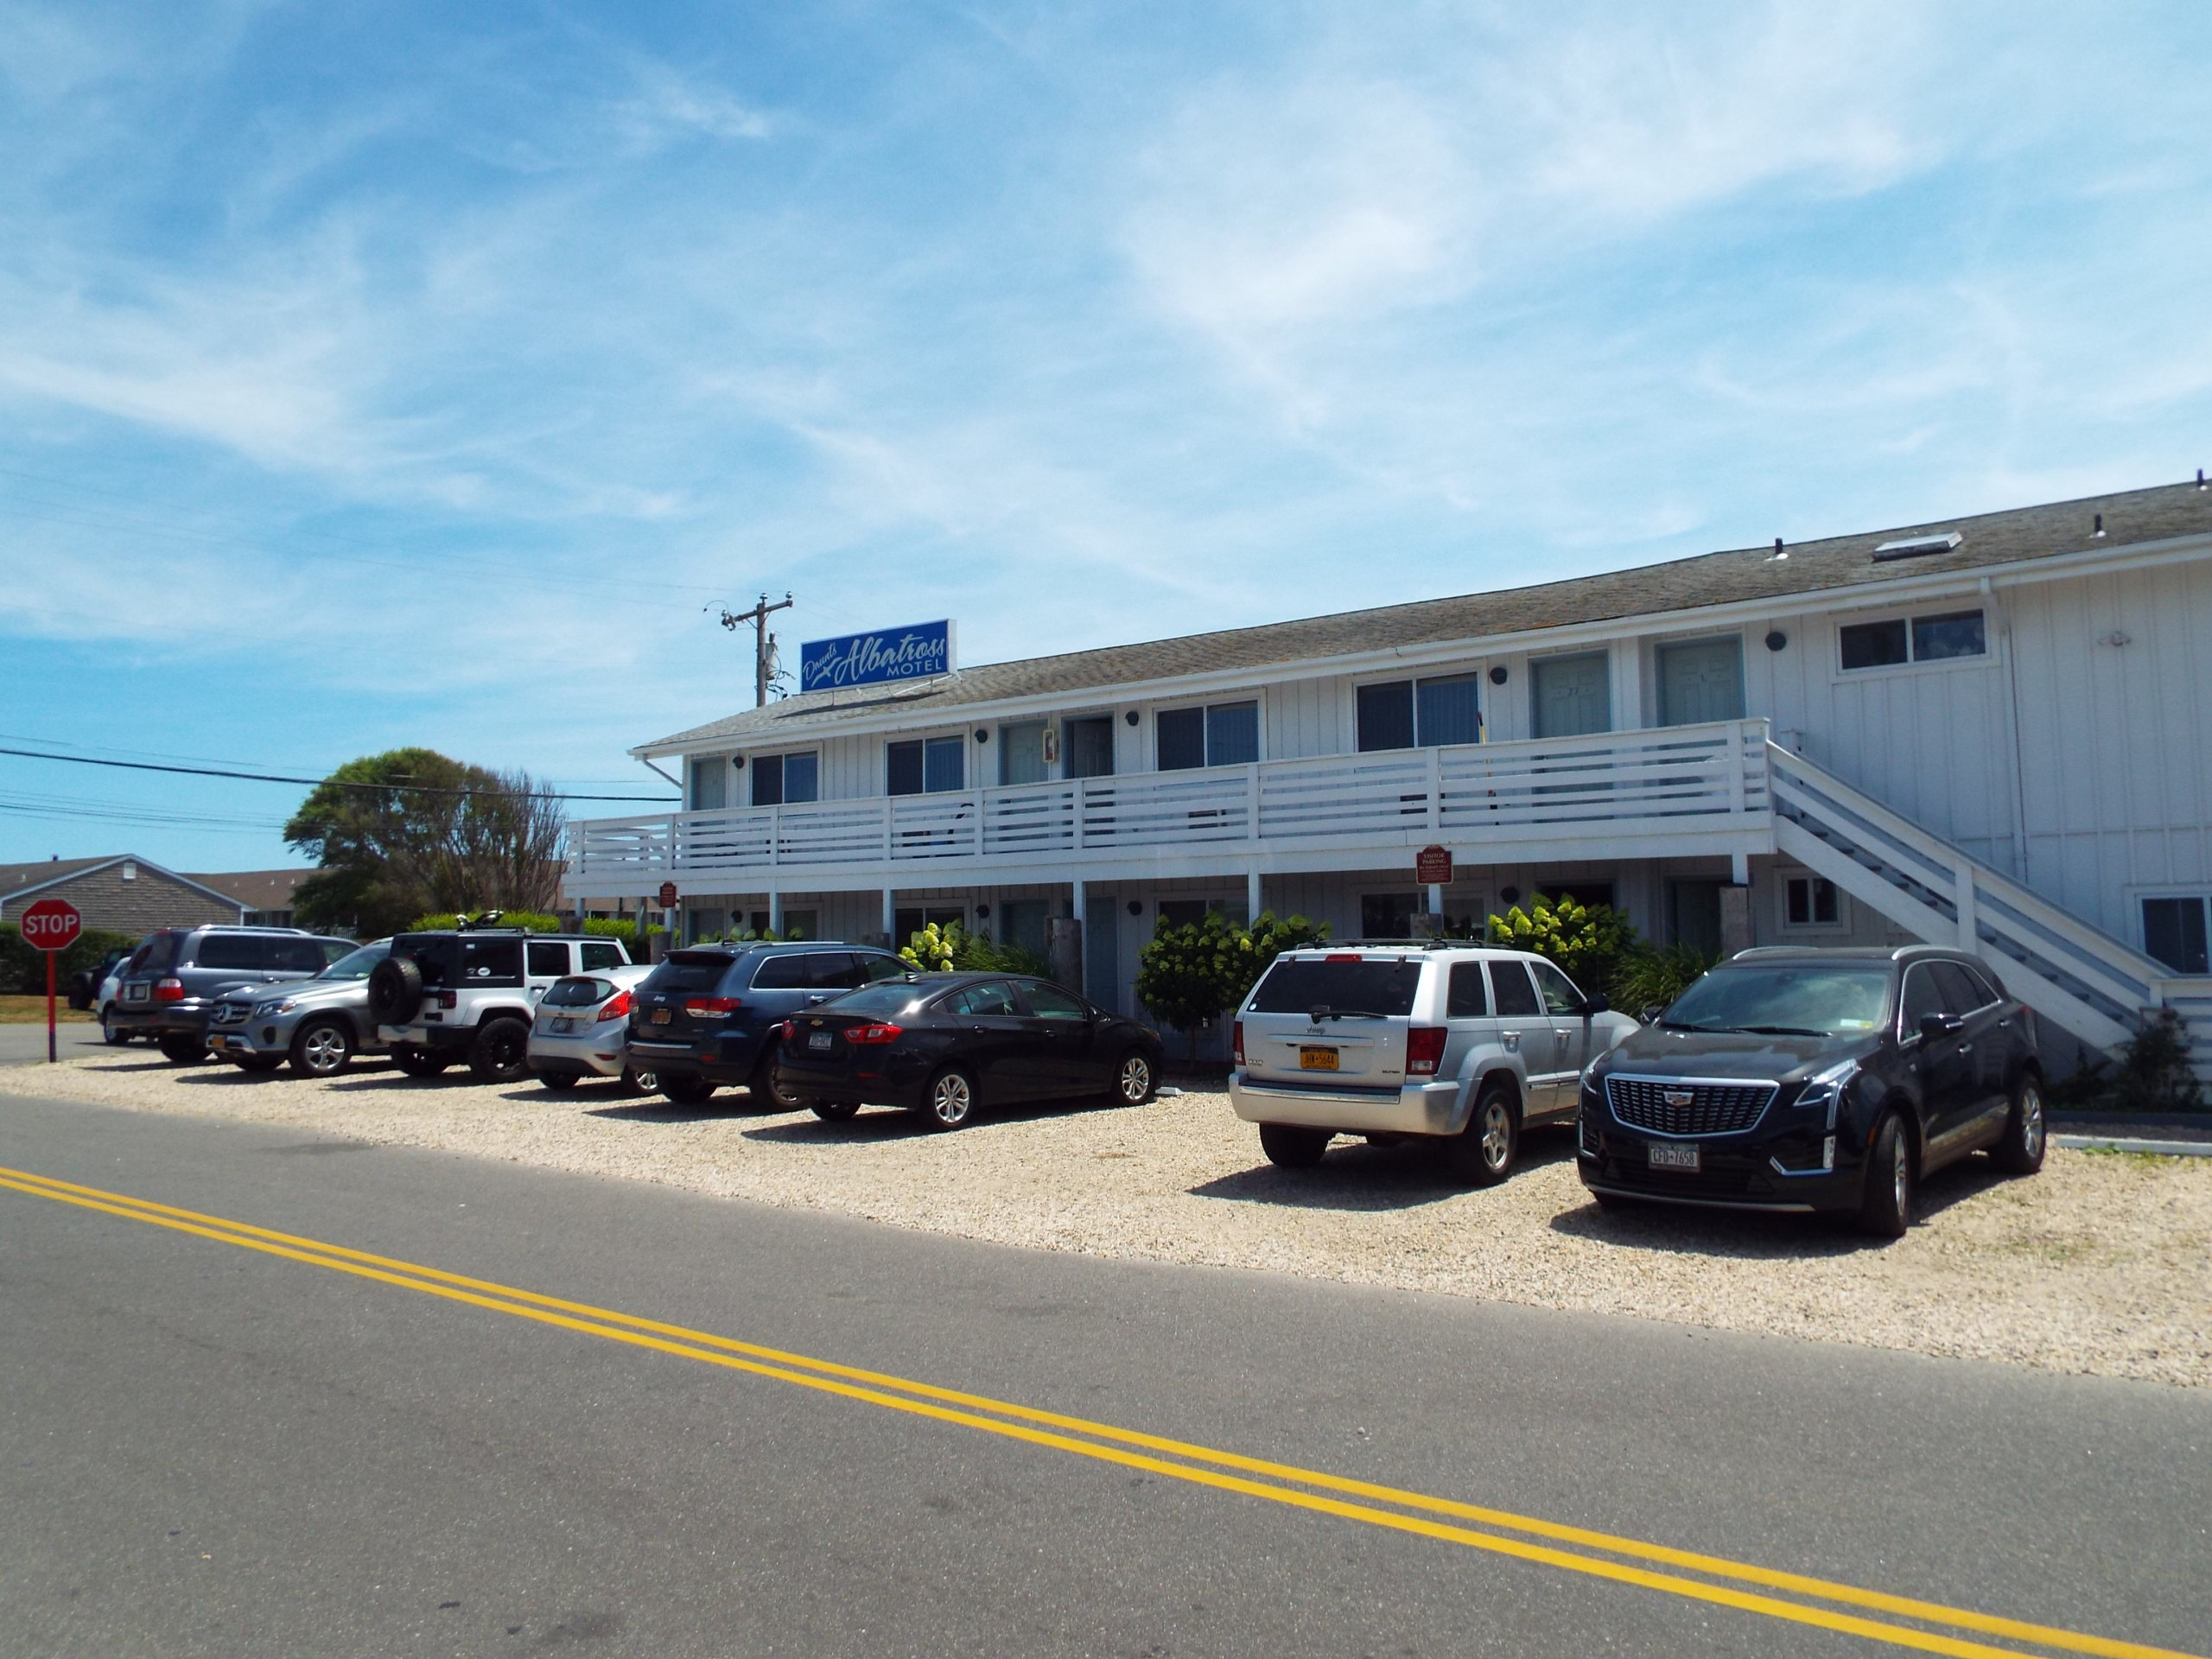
(52, 925)
(1433, 867)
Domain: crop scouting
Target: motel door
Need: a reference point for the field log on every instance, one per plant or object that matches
(1701, 680)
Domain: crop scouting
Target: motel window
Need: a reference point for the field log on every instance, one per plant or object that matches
(925, 765)
(710, 783)
(2174, 932)
(1900, 641)
(1811, 901)
(1420, 714)
(780, 777)
(1219, 735)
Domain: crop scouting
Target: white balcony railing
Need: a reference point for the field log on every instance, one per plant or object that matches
(1614, 786)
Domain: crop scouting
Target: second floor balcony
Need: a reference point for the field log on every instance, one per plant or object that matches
(1667, 792)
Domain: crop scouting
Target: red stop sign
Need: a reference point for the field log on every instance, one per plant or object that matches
(52, 925)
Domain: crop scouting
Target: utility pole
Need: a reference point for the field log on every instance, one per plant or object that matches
(763, 641)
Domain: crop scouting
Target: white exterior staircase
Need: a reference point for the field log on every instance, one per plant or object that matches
(2081, 979)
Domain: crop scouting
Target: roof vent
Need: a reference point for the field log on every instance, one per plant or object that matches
(1779, 551)
(1918, 547)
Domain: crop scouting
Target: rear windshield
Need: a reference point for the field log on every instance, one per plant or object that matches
(580, 991)
(1778, 998)
(1365, 985)
(878, 1001)
(688, 971)
(156, 956)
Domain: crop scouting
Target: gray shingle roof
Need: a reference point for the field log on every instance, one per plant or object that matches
(1737, 575)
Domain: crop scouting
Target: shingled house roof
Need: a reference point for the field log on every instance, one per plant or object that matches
(1738, 575)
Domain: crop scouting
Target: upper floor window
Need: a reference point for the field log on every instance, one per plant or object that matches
(925, 765)
(1220, 734)
(1420, 714)
(780, 777)
(710, 783)
(1902, 640)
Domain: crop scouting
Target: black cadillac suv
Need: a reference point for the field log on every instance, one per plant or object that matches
(1809, 1079)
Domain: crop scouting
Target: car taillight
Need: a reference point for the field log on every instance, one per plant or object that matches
(785, 1031)
(1424, 1050)
(875, 1033)
(168, 990)
(1236, 1041)
(446, 999)
(615, 1007)
(699, 1005)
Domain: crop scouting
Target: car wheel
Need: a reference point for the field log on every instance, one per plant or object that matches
(1885, 1209)
(639, 1083)
(687, 1091)
(258, 1062)
(1483, 1153)
(833, 1111)
(950, 1102)
(1292, 1147)
(418, 1062)
(559, 1081)
(322, 1048)
(183, 1050)
(110, 1034)
(500, 1052)
(2020, 1152)
(1134, 1081)
(767, 1084)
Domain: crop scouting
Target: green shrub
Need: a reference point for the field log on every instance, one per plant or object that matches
(1193, 973)
(620, 927)
(1652, 977)
(949, 948)
(2152, 1076)
(23, 967)
(1586, 941)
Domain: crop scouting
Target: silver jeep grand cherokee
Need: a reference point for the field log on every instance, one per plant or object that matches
(317, 1024)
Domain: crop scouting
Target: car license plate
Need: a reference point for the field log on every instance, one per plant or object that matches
(1316, 1059)
(660, 1016)
(219, 1044)
(134, 993)
(820, 1040)
(564, 1024)
(1673, 1157)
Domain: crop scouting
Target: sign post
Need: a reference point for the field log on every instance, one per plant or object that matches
(51, 925)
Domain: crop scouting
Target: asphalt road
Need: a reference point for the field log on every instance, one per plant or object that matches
(206, 1448)
(25, 1045)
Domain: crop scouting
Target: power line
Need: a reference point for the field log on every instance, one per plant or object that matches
(314, 783)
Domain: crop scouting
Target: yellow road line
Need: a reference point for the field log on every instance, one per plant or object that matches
(869, 1386)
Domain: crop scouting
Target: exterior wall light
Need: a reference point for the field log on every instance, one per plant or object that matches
(1776, 639)
(983, 735)
(1130, 717)
(1136, 905)
(1497, 675)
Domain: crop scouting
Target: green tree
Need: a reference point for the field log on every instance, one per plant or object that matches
(411, 831)
(1588, 942)
(1194, 972)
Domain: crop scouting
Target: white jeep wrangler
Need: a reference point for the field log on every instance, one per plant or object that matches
(472, 994)
(1464, 1045)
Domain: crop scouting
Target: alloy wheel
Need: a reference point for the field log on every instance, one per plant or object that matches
(1136, 1080)
(1901, 1176)
(2031, 1123)
(1497, 1133)
(324, 1050)
(952, 1100)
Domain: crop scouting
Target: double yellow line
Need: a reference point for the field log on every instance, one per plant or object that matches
(1899, 1621)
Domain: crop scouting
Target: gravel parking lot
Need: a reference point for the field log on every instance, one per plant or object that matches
(2100, 1264)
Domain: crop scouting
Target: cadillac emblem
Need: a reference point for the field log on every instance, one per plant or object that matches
(1680, 1097)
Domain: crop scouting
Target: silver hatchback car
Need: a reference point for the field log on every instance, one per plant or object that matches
(582, 1030)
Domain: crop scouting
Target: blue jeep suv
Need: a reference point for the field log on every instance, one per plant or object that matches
(709, 1015)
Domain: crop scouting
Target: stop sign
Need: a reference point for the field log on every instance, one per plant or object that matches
(52, 925)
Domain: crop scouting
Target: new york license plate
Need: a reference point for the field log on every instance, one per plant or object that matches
(1673, 1157)
(819, 1040)
(1316, 1059)
(660, 1016)
(564, 1024)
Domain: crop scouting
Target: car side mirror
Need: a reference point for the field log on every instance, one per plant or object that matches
(1651, 1011)
(1595, 1002)
(1933, 1028)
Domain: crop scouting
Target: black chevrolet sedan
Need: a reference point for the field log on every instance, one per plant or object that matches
(944, 1045)
(1804, 1079)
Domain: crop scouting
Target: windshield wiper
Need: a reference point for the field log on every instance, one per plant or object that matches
(1784, 1031)
(1324, 1012)
(1683, 1024)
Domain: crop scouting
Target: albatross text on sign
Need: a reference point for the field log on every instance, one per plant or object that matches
(914, 652)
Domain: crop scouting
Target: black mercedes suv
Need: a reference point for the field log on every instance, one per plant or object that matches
(1809, 1079)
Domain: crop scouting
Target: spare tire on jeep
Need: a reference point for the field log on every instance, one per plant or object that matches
(395, 991)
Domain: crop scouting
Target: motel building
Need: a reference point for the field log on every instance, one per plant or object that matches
(1993, 732)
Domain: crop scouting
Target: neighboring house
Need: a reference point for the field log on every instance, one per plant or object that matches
(266, 894)
(121, 894)
(1994, 731)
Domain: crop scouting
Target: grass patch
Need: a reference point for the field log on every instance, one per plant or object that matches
(31, 1010)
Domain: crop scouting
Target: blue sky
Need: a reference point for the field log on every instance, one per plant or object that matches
(384, 374)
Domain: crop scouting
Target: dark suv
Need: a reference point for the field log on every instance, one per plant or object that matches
(176, 975)
(709, 1015)
(1806, 1079)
